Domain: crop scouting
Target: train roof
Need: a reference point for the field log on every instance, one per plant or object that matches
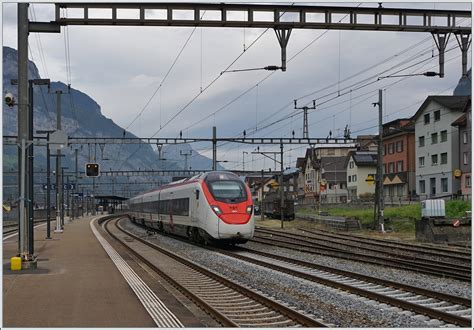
(192, 179)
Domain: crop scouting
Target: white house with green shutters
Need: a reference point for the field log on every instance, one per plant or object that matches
(437, 146)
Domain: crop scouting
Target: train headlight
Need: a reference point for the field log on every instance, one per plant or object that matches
(249, 209)
(216, 210)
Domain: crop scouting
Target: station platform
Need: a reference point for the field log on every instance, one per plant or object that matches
(76, 284)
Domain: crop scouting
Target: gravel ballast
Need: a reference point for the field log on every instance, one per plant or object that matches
(333, 306)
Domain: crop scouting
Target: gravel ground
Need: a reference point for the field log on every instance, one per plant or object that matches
(445, 285)
(368, 249)
(333, 306)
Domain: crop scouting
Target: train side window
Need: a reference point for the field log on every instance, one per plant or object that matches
(197, 194)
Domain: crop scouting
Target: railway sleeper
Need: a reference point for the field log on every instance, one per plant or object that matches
(265, 320)
(197, 282)
(240, 302)
(232, 294)
(220, 298)
(252, 314)
(388, 291)
(438, 304)
(402, 295)
(268, 325)
(449, 308)
(423, 301)
(228, 310)
(463, 312)
(242, 308)
(219, 291)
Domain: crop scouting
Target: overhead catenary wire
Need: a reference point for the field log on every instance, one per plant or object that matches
(350, 92)
(373, 92)
(203, 90)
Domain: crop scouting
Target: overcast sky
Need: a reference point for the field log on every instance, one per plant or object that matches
(121, 68)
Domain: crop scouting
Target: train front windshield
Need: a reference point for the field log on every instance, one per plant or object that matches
(227, 190)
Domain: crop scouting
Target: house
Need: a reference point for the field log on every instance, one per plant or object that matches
(273, 185)
(437, 146)
(359, 166)
(333, 187)
(399, 160)
(314, 172)
(464, 126)
(300, 186)
(367, 142)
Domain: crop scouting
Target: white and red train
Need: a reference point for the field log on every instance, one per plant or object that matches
(213, 206)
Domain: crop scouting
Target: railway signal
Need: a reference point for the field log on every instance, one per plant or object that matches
(92, 170)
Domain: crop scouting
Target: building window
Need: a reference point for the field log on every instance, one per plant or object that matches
(444, 184)
(399, 146)
(464, 137)
(468, 181)
(342, 185)
(434, 138)
(465, 156)
(390, 148)
(427, 118)
(390, 167)
(433, 186)
(351, 164)
(349, 178)
(354, 178)
(444, 136)
(437, 115)
(384, 149)
(434, 160)
(400, 166)
(421, 161)
(422, 186)
(421, 141)
(444, 158)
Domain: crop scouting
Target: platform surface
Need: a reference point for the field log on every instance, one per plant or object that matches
(75, 285)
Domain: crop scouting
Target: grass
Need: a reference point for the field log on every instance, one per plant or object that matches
(401, 219)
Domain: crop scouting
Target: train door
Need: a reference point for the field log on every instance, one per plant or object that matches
(194, 204)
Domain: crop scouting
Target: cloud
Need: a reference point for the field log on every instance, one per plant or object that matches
(121, 67)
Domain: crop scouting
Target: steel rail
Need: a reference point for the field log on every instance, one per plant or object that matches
(447, 317)
(422, 262)
(388, 244)
(455, 249)
(405, 287)
(288, 312)
(201, 303)
(356, 257)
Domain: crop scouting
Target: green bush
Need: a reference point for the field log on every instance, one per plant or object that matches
(457, 208)
(400, 218)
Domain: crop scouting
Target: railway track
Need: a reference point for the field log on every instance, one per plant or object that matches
(230, 303)
(290, 241)
(435, 305)
(455, 248)
(13, 228)
(452, 254)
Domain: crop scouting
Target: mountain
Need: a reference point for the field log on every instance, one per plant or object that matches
(81, 117)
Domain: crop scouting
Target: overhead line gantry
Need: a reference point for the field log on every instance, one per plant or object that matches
(282, 18)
